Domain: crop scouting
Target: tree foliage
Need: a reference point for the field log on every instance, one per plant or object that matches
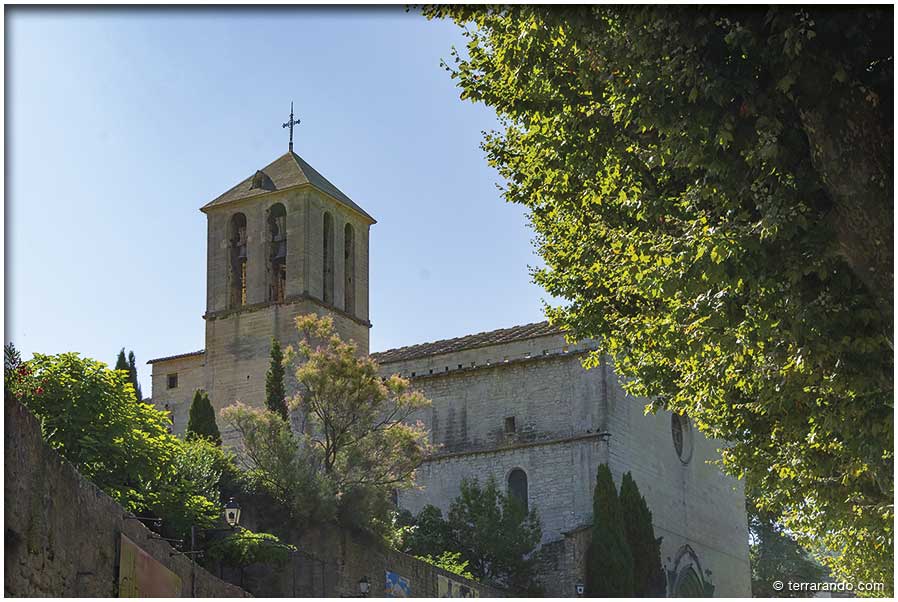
(711, 191)
(776, 556)
(427, 533)
(356, 446)
(357, 420)
(244, 547)
(496, 534)
(609, 571)
(645, 548)
(487, 533)
(281, 464)
(201, 423)
(275, 394)
(449, 561)
(89, 415)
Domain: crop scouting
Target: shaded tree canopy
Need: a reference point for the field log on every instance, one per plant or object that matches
(776, 556)
(711, 191)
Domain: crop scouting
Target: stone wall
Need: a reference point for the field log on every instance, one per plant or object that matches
(331, 560)
(62, 532)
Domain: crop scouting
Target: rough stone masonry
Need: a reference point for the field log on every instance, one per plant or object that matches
(514, 404)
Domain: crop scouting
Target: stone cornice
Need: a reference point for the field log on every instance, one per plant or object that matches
(602, 436)
(304, 296)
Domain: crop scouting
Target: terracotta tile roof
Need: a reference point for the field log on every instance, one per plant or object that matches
(471, 341)
(177, 357)
(286, 171)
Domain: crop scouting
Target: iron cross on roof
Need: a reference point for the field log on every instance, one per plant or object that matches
(290, 125)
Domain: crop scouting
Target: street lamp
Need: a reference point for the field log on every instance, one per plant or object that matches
(232, 513)
(364, 587)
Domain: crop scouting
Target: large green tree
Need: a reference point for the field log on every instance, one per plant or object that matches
(356, 445)
(201, 423)
(275, 394)
(609, 568)
(496, 534)
(645, 548)
(711, 191)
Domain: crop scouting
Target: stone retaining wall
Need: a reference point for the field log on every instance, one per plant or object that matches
(63, 533)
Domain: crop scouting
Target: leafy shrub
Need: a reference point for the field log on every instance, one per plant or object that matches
(450, 561)
(244, 548)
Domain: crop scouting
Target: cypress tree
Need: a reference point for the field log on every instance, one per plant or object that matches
(275, 395)
(121, 363)
(609, 560)
(129, 365)
(648, 576)
(132, 375)
(201, 422)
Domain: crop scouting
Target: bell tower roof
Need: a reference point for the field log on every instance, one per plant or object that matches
(287, 171)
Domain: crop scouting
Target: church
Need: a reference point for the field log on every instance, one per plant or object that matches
(514, 404)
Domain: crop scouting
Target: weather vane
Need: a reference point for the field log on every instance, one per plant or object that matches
(290, 125)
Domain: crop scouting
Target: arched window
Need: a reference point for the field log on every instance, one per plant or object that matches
(517, 486)
(349, 269)
(328, 256)
(277, 256)
(237, 279)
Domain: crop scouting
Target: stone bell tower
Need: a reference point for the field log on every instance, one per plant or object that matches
(283, 242)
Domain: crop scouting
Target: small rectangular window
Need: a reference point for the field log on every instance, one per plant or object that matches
(510, 427)
(173, 381)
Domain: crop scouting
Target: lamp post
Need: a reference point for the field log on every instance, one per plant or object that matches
(232, 517)
(232, 513)
(364, 587)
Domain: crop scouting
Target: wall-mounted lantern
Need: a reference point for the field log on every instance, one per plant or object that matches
(580, 589)
(364, 587)
(232, 513)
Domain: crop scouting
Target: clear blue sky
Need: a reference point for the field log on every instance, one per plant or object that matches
(121, 124)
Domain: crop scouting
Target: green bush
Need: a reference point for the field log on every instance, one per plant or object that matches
(244, 548)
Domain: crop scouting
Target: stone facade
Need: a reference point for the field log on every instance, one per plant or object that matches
(566, 421)
(62, 532)
(512, 400)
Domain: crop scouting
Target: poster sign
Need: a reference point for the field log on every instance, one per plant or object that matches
(397, 586)
(448, 588)
(142, 576)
